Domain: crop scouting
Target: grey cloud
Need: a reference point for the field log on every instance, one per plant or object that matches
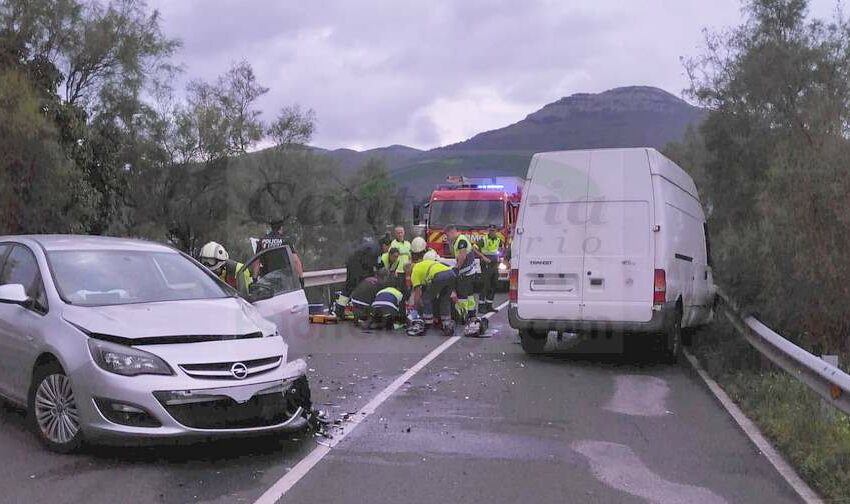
(373, 69)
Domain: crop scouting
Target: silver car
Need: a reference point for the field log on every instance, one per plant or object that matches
(107, 337)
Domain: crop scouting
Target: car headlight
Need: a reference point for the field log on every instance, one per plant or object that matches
(503, 266)
(126, 361)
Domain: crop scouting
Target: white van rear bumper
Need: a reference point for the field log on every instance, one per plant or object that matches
(661, 319)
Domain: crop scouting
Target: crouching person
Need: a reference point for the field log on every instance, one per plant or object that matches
(362, 297)
(388, 308)
(433, 283)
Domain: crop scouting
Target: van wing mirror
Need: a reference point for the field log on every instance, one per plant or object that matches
(417, 211)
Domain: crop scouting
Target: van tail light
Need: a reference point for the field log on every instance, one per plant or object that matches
(660, 294)
(514, 286)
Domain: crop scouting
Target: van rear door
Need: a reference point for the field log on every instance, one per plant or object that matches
(551, 228)
(618, 257)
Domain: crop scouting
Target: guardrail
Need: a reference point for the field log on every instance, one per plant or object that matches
(828, 381)
(324, 277)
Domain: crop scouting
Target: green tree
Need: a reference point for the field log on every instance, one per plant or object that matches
(89, 63)
(184, 184)
(771, 163)
(40, 190)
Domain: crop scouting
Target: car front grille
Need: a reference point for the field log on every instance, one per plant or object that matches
(265, 409)
(223, 370)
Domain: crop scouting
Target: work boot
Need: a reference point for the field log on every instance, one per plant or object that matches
(477, 328)
(448, 327)
(472, 327)
(416, 328)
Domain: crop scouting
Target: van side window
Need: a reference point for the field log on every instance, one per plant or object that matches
(708, 260)
(21, 267)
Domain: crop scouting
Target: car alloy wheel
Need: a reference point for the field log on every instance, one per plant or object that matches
(55, 410)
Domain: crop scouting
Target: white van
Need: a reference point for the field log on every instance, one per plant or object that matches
(610, 240)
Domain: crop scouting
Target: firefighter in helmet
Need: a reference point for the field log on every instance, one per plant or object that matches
(215, 257)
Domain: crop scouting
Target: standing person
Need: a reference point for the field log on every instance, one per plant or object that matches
(492, 247)
(403, 247)
(465, 269)
(273, 239)
(214, 256)
(433, 283)
(361, 263)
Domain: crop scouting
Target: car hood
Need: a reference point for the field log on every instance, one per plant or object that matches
(205, 317)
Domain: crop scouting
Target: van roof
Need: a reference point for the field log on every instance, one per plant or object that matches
(658, 165)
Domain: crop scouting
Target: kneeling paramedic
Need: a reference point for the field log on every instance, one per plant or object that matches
(388, 308)
(214, 256)
(362, 297)
(433, 283)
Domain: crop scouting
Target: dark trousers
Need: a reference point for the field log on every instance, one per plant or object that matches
(490, 279)
(437, 296)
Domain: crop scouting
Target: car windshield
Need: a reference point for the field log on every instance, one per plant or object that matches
(109, 277)
(469, 214)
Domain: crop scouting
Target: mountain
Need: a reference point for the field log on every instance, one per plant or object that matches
(350, 160)
(635, 116)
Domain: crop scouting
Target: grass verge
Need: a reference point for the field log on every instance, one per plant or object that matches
(813, 437)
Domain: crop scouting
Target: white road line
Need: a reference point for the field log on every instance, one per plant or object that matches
(784, 469)
(284, 484)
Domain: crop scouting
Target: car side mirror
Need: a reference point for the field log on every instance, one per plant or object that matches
(14, 294)
(417, 211)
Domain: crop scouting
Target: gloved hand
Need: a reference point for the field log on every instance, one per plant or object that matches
(413, 314)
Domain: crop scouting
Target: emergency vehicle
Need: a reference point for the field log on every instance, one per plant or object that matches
(472, 204)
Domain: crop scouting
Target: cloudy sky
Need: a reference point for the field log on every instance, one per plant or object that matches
(433, 72)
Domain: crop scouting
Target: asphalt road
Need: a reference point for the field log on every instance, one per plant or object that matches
(483, 422)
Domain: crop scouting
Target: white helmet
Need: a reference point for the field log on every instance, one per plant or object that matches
(213, 256)
(431, 255)
(418, 245)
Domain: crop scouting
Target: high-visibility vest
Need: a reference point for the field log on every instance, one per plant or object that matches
(228, 275)
(468, 267)
(388, 296)
(424, 271)
(402, 246)
(490, 247)
(399, 265)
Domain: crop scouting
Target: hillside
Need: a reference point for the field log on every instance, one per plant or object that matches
(634, 116)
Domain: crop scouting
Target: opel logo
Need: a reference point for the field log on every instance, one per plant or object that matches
(239, 371)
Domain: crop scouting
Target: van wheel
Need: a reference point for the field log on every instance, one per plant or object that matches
(673, 340)
(53, 413)
(532, 342)
(688, 334)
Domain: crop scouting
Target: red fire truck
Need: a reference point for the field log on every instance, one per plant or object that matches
(472, 204)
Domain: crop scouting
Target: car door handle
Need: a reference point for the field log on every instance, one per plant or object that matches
(297, 308)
